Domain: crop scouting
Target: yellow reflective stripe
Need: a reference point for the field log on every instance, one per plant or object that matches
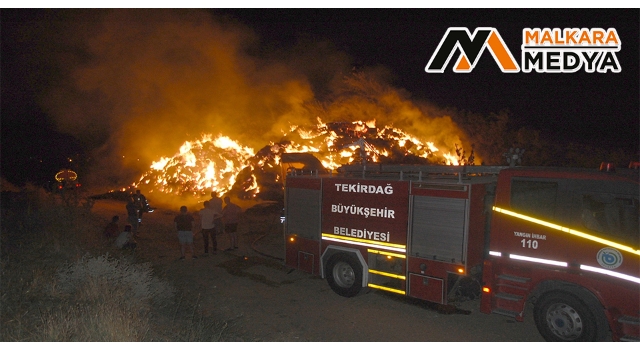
(395, 255)
(568, 230)
(362, 244)
(365, 242)
(371, 285)
(392, 275)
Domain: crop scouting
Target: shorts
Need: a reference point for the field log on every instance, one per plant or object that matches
(185, 237)
(231, 228)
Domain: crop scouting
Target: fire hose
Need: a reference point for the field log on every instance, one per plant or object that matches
(274, 223)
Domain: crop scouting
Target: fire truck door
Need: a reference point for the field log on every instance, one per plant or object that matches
(438, 228)
(303, 222)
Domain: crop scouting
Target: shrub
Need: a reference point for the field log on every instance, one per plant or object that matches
(45, 298)
(111, 300)
(135, 282)
(58, 284)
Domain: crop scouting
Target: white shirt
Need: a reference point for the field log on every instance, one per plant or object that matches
(206, 218)
(123, 238)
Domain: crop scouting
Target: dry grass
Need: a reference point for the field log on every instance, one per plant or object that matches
(60, 283)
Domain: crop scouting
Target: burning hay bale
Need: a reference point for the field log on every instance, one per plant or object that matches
(223, 165)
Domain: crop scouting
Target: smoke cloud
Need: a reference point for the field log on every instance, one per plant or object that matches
(134, 85)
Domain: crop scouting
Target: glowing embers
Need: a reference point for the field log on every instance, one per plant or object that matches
(222, 164)
(208, 164)
(567, 230)
(340, 143)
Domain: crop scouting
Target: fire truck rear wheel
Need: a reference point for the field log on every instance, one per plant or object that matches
(344, 275)
(563, 317)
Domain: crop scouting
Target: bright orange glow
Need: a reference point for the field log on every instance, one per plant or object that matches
(486, 290)
(220, 163)
(207, 164)
(460, 270)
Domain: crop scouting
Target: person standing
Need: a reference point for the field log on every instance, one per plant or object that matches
(132, 215)
(207, 227)
(142, 204)
(184, 226)
(216, 205)
(231, 216)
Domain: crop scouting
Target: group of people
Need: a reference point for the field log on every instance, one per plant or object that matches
(136, 206)
(124, 239)
(217, 217)
(213, 220)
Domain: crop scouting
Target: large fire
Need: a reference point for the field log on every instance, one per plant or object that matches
(218, 163)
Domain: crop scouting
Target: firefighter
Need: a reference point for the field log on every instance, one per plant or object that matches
(132, 214)
(142, 205)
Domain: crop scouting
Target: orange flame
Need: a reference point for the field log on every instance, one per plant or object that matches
(214, 164)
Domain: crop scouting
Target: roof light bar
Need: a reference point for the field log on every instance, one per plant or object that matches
(568, 230)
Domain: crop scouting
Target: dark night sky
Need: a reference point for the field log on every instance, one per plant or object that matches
(580, 106)
(591, 108)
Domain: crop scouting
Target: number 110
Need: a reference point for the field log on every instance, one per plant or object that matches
(529, 243)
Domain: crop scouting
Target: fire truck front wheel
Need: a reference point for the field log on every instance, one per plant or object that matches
(344, 275)
(563, 317)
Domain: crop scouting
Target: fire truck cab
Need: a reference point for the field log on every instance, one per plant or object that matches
(564, 239)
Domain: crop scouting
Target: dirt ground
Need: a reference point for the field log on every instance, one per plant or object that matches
(258, 299)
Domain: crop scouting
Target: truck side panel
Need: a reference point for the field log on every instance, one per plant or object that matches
(560, 231)
(302, 225)
(371, 216)
(446, 237)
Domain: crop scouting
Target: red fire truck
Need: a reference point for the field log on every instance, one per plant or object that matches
(565, 240)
